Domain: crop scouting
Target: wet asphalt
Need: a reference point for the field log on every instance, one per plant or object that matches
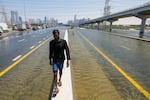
(132, 55)
(32, 78)
(20, 43)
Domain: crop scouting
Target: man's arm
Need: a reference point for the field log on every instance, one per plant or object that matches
(67, 53)
(50, 52)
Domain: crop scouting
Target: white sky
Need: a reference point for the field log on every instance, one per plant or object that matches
(64, 10)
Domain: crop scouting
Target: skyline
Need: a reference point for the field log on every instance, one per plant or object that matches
(66, 9)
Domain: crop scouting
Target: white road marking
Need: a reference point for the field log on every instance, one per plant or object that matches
(16, 58)
(33, 36)
(32, 47)
(17, 36)
(125, 47)
(21, 40)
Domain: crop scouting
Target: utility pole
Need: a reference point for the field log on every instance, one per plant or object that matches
(4, 17)
(106, 9)
(25, 18)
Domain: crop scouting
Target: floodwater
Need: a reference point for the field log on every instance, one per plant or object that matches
(89, 69)
(93, 78)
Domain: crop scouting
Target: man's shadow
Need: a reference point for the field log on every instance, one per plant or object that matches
(51, 90)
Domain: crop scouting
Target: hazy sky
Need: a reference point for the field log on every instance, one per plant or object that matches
(64, 10)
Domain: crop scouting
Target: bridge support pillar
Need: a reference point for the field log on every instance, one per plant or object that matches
(86, 26)
(98, 25)
(142, 28)
(110, 27)
(92, 25)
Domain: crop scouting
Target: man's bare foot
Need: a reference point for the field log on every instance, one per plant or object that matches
(59, 83)
(56, 90)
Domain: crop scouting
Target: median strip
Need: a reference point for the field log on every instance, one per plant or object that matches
(130, 79)
(65, 92)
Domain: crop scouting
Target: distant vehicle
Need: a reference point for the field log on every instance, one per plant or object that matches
(34, 28)
(4, 27)
(21, 27)
(1, 30)
(28, 26)
(14, 27)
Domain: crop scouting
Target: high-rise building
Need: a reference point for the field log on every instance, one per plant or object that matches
(39, 21)
(75, 18)
(45, 20)
(32, 21)
(20, 20)
(14, 18)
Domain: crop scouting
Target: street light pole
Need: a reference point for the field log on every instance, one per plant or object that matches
(24, 11)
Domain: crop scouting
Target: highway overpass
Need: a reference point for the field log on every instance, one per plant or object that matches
(142, 12)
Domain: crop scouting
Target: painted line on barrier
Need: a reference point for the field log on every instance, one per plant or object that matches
(130, 79)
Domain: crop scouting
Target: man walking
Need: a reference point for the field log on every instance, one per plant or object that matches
(57, 57)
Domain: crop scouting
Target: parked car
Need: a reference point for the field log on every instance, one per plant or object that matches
(4, 26)
(1, 30)
(21, 27)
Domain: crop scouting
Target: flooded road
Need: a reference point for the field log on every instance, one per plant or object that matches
(93, 77)
(31, 79)
(89, 80)
(18, 44)
(131, 55)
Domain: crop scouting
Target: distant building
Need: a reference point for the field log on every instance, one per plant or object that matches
(14, 18)
(83, 20)
(45, 20)
(70, 22)
(77, 21)
(53, 21)
(32, 21)
(20, 20)
(75, 18)
(39, 21)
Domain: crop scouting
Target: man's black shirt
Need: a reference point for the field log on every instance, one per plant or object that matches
(57, 50)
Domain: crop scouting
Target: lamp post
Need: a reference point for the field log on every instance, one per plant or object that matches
(24, 11)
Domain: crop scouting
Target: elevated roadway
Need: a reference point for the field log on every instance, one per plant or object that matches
(142, 12)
